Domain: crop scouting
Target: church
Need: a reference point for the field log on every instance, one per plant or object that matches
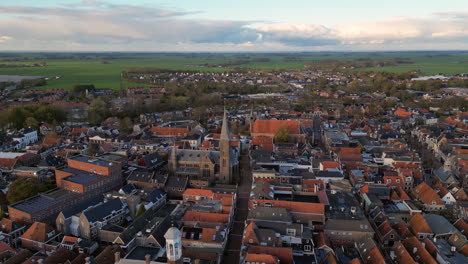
(207, 167)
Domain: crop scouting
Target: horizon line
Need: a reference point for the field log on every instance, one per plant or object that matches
(201, 52)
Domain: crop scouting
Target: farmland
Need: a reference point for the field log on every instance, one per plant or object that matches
(103, 69)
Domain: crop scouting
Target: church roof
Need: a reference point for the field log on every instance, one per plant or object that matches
(190, 155)
(173, 233)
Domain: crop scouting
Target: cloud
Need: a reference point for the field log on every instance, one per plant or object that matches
(95, 25)
(4, 39)
(84, 4)
(392, 33)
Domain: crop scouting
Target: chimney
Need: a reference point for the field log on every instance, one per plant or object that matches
(147, 259)
(87, 260)
(117, 257)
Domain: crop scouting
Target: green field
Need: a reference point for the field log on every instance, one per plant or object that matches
(89, 68)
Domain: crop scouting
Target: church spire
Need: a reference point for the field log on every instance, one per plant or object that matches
(225, 128)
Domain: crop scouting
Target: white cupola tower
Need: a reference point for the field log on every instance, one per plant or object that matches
(173, 238)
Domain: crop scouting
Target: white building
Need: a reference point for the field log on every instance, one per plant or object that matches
(25, 137)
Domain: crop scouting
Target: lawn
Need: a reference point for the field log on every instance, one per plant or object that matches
(103, 70)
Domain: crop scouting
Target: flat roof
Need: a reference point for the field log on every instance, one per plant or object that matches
(99, 161)
(81, 177)
(43, 201)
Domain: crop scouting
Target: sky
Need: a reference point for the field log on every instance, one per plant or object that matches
(241, 25)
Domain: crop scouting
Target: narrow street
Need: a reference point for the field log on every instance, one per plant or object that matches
(232, 252)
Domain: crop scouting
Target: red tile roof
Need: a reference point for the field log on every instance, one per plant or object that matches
(38, 232)
(198, 192)
(78, 131)
(426, 194)
(402, 229)
(402, 113)
(315, 208)
(374, 257)
(250, 234)
(402, 255)
(418, 225)
(285, 255)
(441, 191)
(354, 261)
(320, 240)
(311, 183)
(170, 131)
(4, 247)
(330, 165)
(384, 228)
(263, 142)
(420, 252)
(464, 250)
(7, 163)
(462, 226)
(6, 225)
(430, 247)
(261, 258)
(193, 216)
(271, 126)
(399, 194)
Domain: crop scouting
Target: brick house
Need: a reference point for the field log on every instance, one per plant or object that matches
(428, 197)
(41, 237)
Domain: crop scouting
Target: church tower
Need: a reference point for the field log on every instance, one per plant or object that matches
(173, 238)
(173, 160)
(225, 170)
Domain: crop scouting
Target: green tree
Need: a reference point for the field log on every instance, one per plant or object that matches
(126, 124)
(17, 116)
(31, 122)
(98, 111)
(282, 134)
(24, 188)
(92, 149)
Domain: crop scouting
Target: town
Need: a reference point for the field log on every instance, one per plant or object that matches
(252, 167)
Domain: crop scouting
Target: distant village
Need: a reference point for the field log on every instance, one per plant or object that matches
(348, 177)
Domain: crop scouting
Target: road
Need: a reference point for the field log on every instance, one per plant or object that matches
(232, 251)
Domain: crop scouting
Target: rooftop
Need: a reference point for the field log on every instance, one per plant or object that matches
(43, 201)
(107, 161)
(81, 177)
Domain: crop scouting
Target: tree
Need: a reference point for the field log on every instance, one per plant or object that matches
(31, 122)
(282, 134)
(126, 124)
(98, 111)
(44, 112)
(52, 134)
(141, 210)
(24, 188)
(92, 149)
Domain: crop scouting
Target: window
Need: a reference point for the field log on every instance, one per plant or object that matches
(291, 231)
(307, 248)
(250, 241)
